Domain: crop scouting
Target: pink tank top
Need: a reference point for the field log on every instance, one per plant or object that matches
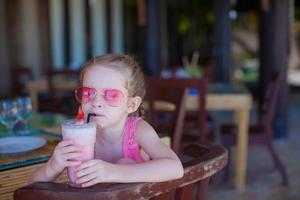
(131, 148)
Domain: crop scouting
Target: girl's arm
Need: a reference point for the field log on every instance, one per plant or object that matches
(60, 159)
(164, 164)
(43, 173)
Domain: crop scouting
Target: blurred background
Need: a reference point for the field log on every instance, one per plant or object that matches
(243, 41)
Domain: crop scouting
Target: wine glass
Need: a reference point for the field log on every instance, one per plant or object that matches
(24, 107)
(8, 115)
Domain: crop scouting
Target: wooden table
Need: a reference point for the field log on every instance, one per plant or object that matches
(238, 100)
(219, 97)
(200, 162)
(14, 170)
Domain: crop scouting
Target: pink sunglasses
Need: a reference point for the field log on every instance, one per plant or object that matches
(112, 97)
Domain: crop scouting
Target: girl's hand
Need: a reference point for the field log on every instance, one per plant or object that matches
(62, 156)
(94, 171)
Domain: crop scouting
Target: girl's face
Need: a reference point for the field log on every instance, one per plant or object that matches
(109, 96)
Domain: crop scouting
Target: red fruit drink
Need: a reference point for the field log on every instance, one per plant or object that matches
(83, 135)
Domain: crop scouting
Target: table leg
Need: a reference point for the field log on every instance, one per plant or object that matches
(242, 118)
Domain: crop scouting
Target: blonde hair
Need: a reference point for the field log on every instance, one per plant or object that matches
(135, 83)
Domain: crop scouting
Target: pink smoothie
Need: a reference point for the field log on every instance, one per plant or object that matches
(83, 135)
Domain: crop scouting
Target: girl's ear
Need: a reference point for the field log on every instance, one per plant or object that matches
(133, 104)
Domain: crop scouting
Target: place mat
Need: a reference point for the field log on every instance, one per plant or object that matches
(33, 157)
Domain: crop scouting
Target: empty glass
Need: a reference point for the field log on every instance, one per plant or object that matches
(8, 115)
(24, 107)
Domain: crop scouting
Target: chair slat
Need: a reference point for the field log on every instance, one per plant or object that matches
(185, 192)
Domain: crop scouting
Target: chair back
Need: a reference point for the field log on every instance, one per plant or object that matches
(270, 99)
(53, 75)
(200, 85)
(19, 76)
(57, 95)
(200, 162)
(163, 90)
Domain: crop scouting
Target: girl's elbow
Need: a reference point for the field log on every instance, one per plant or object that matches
(31, 180)
(179, 171)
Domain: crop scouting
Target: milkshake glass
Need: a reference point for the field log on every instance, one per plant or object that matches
(84, 136)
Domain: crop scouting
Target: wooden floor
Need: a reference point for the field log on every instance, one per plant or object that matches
(263, 181)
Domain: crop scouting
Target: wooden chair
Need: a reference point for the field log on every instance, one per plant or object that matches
(262, 132)
(19, 76)
(166, 118)
(61, 101)
(186, 83)
(200, 162)
(192, 117)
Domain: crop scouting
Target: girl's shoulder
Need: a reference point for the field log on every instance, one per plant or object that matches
(137, 126)
(144, 130)
(143, 125)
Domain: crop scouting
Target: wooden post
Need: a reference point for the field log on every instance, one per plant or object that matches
(117, 27)
(44, 32)
(5, 30)
(222, 38)
(57, 34)
(274, 50)
(98, 27)
(153, 38)
(163, 32)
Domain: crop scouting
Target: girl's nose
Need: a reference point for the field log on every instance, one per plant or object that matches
(97, 105)
(97, 102)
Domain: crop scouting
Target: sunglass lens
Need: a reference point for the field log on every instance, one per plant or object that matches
(113, 97)
(85, 94)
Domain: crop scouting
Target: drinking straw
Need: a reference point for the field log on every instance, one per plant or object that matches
(89, 116)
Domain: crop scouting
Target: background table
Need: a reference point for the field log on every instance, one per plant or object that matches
(236, 98)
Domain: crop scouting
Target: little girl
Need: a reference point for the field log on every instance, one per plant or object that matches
(127, 148)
